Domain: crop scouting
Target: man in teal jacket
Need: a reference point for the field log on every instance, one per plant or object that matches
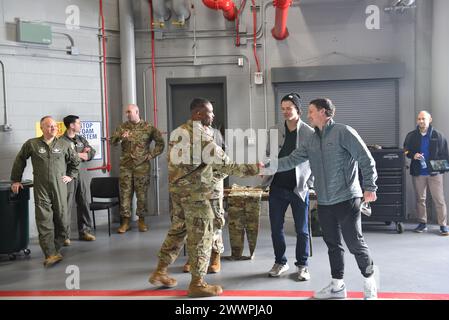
(335, 153)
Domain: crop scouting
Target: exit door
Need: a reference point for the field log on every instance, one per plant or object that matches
(183, 90)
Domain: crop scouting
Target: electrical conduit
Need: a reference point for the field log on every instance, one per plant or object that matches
(153, 73)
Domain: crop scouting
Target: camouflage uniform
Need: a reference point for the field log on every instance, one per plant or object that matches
(77, 189)
(217, 198)
(219, 220)
(135, 163)
(50, 163)
(243, 212)
(191, 185)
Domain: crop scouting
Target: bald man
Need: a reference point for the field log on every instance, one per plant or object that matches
(55, 163)
(135, 137)
(422, 145)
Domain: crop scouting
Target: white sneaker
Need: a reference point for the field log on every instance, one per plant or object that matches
(370, 288)
(278, 269)
(303, 273)
(335, 290)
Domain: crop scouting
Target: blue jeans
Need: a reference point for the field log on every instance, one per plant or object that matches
(279, 200)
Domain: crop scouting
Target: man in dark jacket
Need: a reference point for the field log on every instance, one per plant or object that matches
(422, 145)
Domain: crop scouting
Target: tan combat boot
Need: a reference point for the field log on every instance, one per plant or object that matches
(199, 288)
(214, 265)
(51, 260)
(86, 236)
(186, 268)
(141, 224)
(160, 276)
(124, 226)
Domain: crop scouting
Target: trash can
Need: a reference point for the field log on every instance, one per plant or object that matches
(14, 220)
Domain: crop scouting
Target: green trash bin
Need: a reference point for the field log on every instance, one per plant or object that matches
(14, 220)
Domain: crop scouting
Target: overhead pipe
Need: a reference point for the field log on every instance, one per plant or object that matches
(280, 31)
(106, 166)
(155, 117)
(181, 10)
(127, 53)
(161, 12)
(256, 58)
(228, 7)
(5, 126)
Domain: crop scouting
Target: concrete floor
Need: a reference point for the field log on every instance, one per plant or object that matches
(409, 263)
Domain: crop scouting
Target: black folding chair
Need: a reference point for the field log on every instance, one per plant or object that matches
(104, 188)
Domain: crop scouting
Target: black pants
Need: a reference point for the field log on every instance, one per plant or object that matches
(343, 219)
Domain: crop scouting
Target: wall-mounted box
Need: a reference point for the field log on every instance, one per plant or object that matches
(33, 32)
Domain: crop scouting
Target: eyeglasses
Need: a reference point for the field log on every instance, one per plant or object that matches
(365, 208)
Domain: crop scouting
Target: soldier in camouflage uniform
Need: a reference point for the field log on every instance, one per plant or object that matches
(193, 155)
(55, 163)
(243, 212)
(216, 202)
(135, 136)
(77, 188)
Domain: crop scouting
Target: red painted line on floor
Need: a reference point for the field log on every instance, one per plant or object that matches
(226, 293)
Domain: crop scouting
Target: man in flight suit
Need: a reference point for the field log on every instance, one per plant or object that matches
(54, 165)
(77, 188)
(135, 136)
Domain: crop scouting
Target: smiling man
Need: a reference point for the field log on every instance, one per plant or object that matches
(55, 164)
(290, 188)
(336, 152)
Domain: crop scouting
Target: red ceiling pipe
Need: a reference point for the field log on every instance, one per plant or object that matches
(280, 31)
(107, 166)
(228, 7)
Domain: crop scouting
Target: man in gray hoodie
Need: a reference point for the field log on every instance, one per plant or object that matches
(335, 153)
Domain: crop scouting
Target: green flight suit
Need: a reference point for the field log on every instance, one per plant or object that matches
(77, 189)
(135, 163)
(50, 163)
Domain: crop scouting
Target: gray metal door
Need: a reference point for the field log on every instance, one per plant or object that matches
(183, 91)
(369, 106)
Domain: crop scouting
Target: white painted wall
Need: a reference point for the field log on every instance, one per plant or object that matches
(48, 81)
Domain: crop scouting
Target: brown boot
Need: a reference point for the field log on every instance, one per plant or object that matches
(199, 288)
(51, 260)
(86, 236)
(124, 226)
(160, 276)
(214, 265)
(141, 224)
(186, 268)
